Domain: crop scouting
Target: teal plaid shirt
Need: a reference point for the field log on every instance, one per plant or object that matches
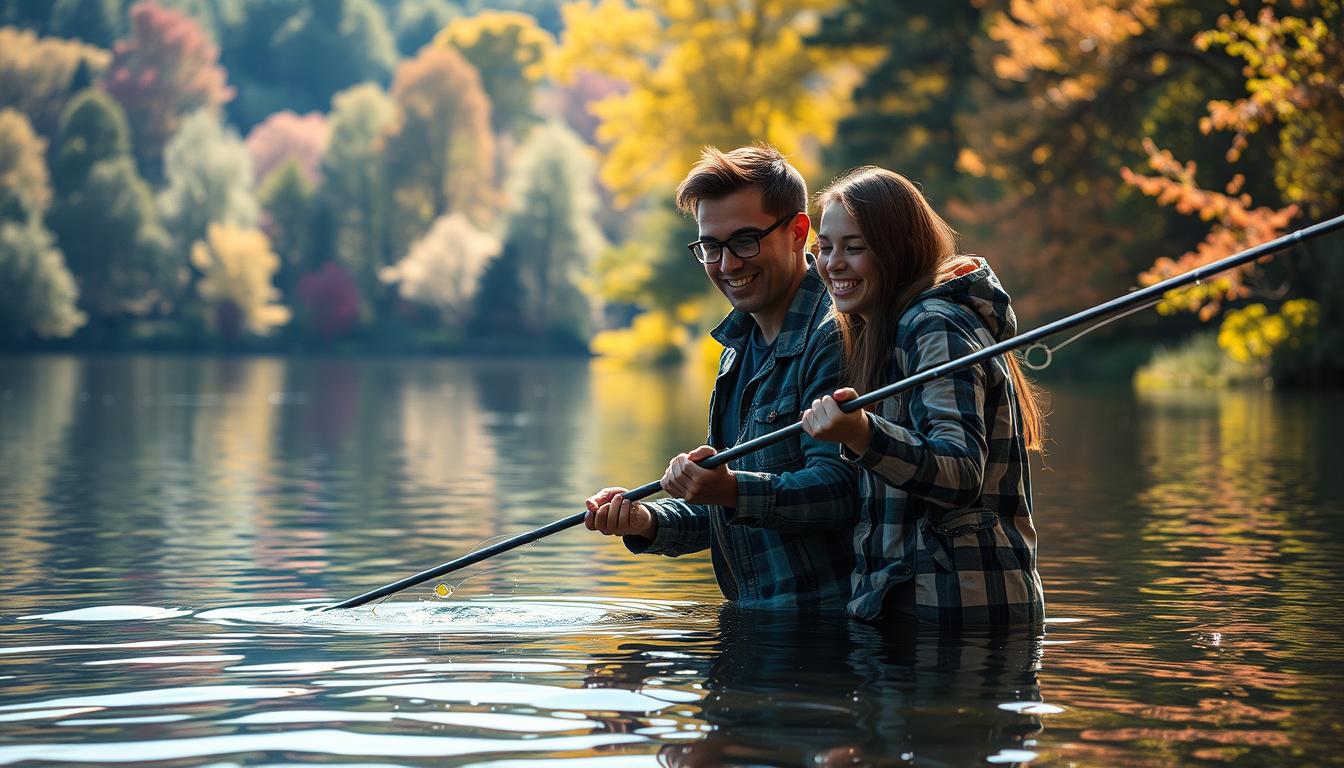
(788, 542)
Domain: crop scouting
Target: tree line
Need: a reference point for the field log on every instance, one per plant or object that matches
(431, 173)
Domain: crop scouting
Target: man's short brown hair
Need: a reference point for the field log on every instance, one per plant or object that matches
(719, 174)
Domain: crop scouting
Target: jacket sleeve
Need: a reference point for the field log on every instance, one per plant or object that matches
(822, 496)
(941, 457)
(682, 529)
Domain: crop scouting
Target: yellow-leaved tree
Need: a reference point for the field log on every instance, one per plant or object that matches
(1293, 70)
(237, 266)
(508, 48)
(705, 72)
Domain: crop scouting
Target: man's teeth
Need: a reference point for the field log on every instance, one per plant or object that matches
(843, 285)
(739, 282)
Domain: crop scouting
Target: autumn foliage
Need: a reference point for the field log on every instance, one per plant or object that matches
(167, 68)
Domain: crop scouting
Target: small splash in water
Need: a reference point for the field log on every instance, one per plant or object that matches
(477, 616)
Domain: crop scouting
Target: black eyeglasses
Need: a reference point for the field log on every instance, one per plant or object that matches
(744, 245)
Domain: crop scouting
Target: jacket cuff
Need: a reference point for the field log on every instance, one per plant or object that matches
(669, 539)
(885, 450)
(755, 499)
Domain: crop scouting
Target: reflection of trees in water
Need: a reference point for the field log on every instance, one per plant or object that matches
(38, 405)
(819, 689)
(642, 418)
(1217, 658)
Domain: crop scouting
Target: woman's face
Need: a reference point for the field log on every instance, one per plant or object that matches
(846, 264)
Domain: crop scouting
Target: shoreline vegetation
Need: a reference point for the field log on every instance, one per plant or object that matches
(443, 177)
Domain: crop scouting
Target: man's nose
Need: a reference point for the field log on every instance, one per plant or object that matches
(729, 261)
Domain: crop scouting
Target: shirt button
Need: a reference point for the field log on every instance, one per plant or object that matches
(773, 415)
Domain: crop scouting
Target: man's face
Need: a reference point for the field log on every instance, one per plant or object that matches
(765, 282)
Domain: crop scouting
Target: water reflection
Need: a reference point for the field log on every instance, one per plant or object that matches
(152, 503)
(816, 689)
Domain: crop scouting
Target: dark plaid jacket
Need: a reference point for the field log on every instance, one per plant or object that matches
(788, 540)
(946, 498)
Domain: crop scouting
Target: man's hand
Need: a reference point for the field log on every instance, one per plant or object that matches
(687, 480)
(825, 421)
(610, 513)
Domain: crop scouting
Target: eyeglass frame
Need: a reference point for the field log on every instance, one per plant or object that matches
(758, 236)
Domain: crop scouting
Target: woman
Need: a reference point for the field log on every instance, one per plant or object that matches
(945, 531)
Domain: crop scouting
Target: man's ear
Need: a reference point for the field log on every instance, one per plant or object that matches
(801, 228)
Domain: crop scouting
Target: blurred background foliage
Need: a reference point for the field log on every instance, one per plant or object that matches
(472, 176)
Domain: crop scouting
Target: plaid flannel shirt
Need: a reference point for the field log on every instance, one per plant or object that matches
(946, 498)
(787, 543)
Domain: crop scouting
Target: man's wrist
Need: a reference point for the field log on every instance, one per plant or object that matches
(728, 496)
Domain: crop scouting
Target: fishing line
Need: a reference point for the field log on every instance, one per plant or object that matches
(1025, 357)
(444, 591)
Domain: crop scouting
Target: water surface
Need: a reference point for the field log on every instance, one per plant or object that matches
(172, 524)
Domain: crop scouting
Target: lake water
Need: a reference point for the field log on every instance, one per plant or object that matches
(171, 522)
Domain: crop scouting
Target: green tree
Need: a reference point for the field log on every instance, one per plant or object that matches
(907, 109)
(209, 181)
(114, 243)
(289, 206)
(96, 22)
(296, 54)
(40, 294)
(92, 129)
(507, 49)
(103, 215)
(28, 14)
(551, 231)
(166, 69)
(418, 21)
(354, 194)
(38, 75)
(653, 269)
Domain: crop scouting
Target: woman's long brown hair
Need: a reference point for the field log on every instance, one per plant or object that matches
(915, 250)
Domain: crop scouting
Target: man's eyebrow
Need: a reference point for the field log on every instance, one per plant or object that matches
(735, 233)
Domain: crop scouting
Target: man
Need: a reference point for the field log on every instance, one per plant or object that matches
(778, 522)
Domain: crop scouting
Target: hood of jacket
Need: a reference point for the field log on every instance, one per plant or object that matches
(977, 288)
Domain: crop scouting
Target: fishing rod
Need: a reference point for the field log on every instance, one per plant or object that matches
(1130, 301)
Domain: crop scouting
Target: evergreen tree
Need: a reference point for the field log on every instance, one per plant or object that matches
(289, 205)
(92, 129)
(96, 22)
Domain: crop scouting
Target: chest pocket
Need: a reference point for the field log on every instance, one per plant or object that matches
(786, 455)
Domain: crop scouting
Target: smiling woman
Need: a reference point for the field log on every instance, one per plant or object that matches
(945, 534)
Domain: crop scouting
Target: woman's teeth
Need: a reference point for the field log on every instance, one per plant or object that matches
(843, 285)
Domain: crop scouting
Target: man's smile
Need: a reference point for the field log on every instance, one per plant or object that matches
(738, 282)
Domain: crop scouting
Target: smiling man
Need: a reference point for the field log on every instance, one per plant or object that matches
(778, 522)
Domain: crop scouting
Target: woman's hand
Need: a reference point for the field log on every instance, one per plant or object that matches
(825, 421)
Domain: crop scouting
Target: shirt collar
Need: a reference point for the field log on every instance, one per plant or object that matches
(737, 326)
